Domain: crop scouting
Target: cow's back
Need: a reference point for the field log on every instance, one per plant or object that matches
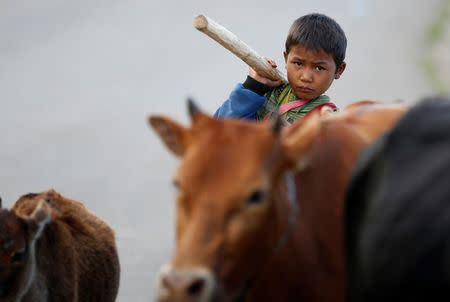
(323, 182)
(96, 256)
(398, 214)
(76, 257)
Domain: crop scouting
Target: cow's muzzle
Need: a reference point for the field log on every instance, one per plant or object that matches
(186, 285)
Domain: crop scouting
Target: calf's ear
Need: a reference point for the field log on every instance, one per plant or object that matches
(40, 217)
(297, 140)
(173, 135)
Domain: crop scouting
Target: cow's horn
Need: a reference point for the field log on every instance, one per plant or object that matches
(192, 107)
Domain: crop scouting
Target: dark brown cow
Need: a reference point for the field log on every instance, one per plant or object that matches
(241, 234)
(53, 249)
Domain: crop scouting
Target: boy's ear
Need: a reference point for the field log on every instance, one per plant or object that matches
(340, 70)
(285, 56)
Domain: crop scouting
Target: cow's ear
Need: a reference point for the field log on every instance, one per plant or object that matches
(297, 139)
(37, 221)
(171, 133)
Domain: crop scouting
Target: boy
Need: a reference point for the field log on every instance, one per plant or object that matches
(314, 57)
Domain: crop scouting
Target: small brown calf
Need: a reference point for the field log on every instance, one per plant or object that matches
(53, 249)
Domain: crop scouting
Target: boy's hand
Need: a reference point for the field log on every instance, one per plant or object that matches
(263, 80)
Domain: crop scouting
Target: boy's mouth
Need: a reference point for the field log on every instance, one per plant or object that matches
(305, 89)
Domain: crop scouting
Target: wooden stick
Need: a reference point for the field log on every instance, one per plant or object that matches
(229, 40)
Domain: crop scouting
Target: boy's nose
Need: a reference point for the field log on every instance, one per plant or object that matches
(306, 76)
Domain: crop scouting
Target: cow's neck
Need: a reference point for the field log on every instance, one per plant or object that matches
(311, 266)
(312, 254)
(38, 291)
(27, 275)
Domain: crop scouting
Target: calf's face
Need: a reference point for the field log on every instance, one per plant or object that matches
(17, 239)
(13, 248)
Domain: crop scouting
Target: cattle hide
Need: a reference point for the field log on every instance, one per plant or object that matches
(398, 211)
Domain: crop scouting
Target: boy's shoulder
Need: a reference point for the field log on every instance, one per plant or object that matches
(272, 98)
(275, 93)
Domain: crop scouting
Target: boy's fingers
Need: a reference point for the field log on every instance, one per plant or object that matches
(252, 73)
(272, 63)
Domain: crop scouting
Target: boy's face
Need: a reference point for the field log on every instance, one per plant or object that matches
(310, 72)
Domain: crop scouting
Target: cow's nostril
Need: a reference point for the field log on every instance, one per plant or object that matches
(196, 288)
(165, 282)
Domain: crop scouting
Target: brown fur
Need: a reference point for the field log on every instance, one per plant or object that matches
(224, 162)
(76, 257)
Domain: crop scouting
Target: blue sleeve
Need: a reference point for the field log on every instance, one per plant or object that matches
(242, 103)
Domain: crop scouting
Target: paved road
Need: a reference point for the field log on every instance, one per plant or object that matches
(78, 79)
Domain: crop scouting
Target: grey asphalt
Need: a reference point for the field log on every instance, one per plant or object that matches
(79, 78)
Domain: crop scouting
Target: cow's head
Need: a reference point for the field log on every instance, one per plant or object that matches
(18, 235)
(228, 219)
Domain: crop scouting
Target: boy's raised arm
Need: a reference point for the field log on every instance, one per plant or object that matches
(242, 102)
(247, 98)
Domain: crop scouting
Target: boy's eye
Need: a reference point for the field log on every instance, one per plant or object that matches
(298, 63)
(320, 68)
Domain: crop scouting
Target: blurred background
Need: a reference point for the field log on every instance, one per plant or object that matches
(78, 80)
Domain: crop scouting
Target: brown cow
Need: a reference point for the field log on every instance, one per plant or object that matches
(243, 232)
(53, 249)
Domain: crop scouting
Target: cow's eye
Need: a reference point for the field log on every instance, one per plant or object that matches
(19, 256)
(256, 198)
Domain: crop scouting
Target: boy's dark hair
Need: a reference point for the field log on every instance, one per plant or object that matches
(317, 31)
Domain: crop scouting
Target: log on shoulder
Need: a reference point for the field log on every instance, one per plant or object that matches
(231, 42)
